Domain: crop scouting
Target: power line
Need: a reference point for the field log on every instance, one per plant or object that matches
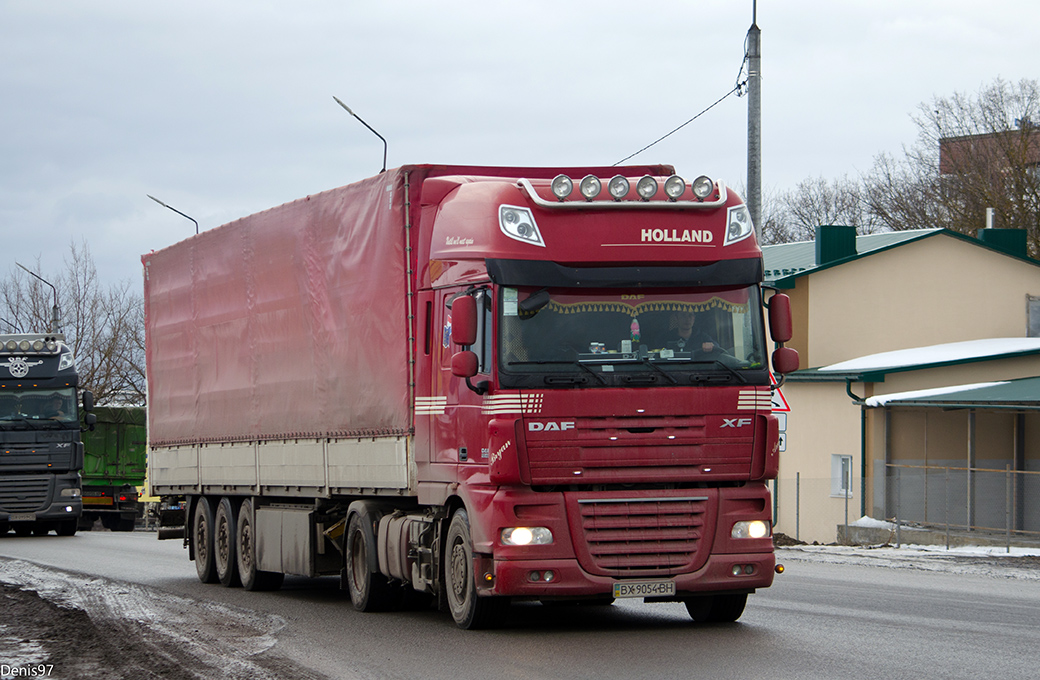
(717, 102)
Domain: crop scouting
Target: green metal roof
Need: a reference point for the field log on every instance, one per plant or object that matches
(790, 260)
(785, 262)
(1022, 394)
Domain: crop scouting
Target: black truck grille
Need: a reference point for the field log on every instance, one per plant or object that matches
(24, 494)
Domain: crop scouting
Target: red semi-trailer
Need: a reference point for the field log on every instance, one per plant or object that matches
(475, 383)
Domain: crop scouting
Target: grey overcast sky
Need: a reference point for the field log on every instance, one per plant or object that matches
(225, 108)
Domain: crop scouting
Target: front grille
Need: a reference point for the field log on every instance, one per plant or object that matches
(24, 494)
(636, 536)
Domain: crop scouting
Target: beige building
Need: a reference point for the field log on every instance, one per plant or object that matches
(878, 319)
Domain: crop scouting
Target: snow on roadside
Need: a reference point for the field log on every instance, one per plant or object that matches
(202, 638)
(991, 561)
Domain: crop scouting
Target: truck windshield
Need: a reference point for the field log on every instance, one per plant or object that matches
(610, 337)
(51, 406)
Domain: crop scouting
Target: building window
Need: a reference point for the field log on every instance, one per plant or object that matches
(841, 476)
(1032, 316)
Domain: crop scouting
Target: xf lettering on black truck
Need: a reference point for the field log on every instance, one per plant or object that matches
(471, 386)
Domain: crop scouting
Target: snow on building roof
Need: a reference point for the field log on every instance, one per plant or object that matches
(886, 399)
(937, 355)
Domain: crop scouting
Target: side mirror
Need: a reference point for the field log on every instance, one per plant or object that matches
(88, 401)
(463, 322)
(90, 420)
(463, 364)
(780, 325)
(785, 360)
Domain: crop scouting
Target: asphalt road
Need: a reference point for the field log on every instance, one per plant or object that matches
(844, 620)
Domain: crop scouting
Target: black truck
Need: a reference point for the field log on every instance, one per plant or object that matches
(41, 453)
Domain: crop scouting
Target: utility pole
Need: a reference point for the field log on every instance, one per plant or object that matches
(754, 143)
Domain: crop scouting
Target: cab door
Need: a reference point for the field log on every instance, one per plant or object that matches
(459, 435)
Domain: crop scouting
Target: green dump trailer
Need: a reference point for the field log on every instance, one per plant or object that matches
(114, 467)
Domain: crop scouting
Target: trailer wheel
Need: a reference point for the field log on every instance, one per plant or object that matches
(369, 592)
(245, 554)
(470, 611)
(225, 523)
(716, 608)
(202, 540)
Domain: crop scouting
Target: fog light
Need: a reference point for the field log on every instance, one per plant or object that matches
(562, 186)
(548, 576)
(702, 187)
(590, 187)
(534, 576)
(618, 187)
(749, 569)
(737, 570)
(646, 187)
(68, 508)
(674, 187)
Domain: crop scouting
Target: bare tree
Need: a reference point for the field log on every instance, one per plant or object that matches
(104, 326)
(972, 153)
(815, 202)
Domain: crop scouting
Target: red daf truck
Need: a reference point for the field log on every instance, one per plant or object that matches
(473, 384)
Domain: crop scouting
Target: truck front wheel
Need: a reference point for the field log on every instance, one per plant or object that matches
(202, 540)
(224, 543)
(470, 611)
(716, 608)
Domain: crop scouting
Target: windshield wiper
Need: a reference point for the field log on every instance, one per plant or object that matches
(595, 375)
(651, 364)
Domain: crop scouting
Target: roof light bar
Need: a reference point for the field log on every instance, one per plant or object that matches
(702, 193)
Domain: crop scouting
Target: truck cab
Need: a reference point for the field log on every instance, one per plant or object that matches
(42, 454)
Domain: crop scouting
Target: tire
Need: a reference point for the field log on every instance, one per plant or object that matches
(369, 592)
(225, 524)
(124, 525)
(245, 554)
(716, 608)
(67, 527)
(202, 540)
(23, 530)
(470, 611)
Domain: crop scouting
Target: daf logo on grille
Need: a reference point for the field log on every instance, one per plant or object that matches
(550, 426)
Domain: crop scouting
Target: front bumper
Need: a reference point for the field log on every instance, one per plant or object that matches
(527, 578)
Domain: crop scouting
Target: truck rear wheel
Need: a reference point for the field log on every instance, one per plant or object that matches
(470, 611)
(224, 543)
(202, 540)
(369, 592)
(716, 608)
(245, 554)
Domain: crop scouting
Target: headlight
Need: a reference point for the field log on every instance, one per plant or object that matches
(24, 345)
(68, 360)
(71, 493)
(526, 536)
(751, 529)
(738, 224)
(518, 223)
